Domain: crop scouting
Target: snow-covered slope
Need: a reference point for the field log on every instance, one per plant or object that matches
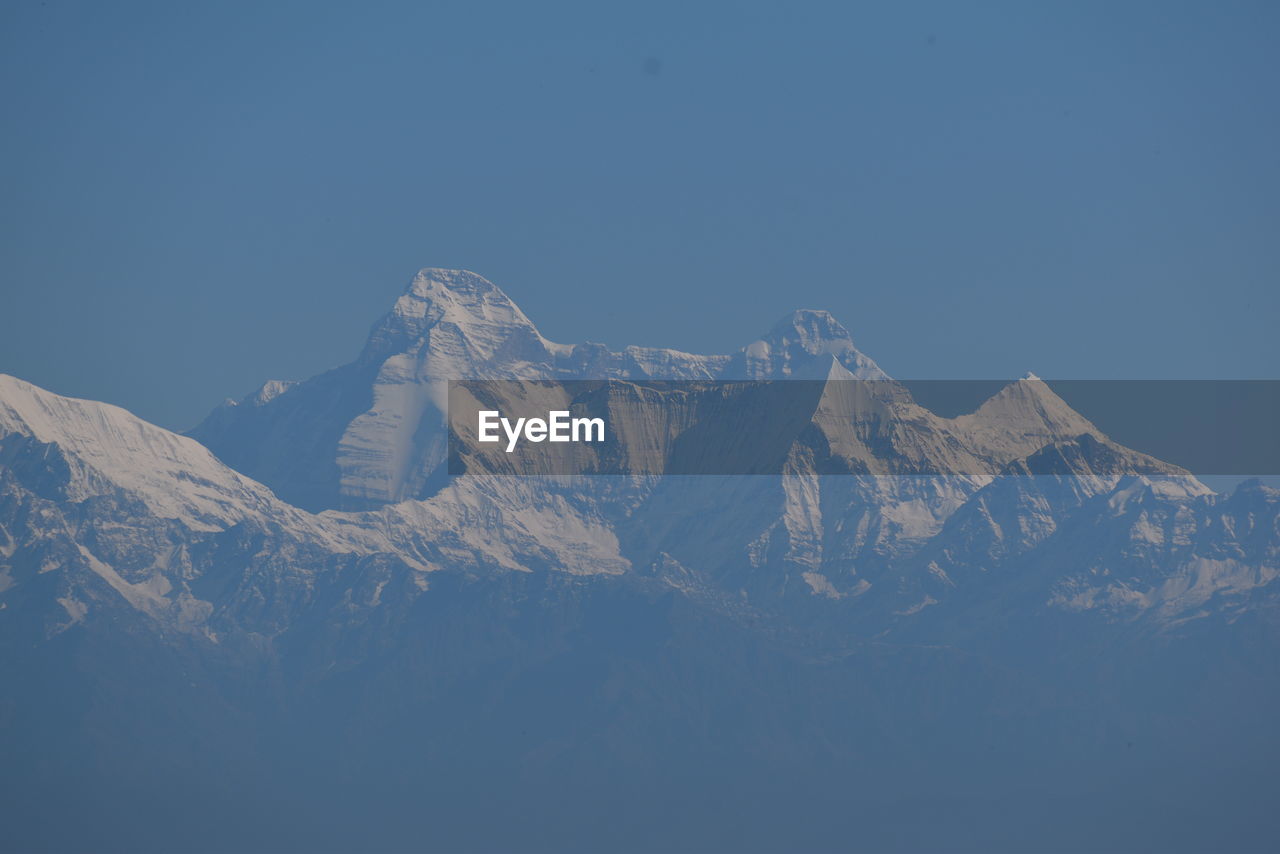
(320, 589)
(918, 485)
(371, 433)
(108, 448)
(917, 515)
(103, 513)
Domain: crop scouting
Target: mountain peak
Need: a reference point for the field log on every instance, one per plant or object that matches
(1022, 417)
(802, 344)
(1028, 394)
(436, 282)
(437, 294)
(813, 330)
(469, 309)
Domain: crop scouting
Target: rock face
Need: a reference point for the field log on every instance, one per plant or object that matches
(301, 598)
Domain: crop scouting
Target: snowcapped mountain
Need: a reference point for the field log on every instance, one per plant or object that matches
(835, 538)
(301, 566)
(910, 538)
(372, 432)
(918, 518)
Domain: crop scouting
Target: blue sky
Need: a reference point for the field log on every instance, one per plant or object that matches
(197, 198)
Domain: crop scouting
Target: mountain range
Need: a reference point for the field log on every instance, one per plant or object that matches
(291, 628)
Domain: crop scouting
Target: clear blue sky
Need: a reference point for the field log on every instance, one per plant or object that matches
(197, 198)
